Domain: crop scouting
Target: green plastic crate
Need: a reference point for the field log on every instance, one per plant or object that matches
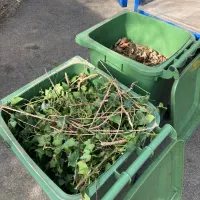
(161, 162)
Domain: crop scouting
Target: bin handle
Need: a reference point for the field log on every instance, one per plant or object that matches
(185, 56)
(126, 176)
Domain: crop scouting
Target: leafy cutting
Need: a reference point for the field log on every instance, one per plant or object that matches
(76, 129)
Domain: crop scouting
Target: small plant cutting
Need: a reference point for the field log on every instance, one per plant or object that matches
(76, 129)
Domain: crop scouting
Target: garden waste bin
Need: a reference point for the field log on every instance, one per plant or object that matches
(168, 40)
(154, 172)
(175, 43)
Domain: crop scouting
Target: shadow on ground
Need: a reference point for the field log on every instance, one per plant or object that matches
(41, 35)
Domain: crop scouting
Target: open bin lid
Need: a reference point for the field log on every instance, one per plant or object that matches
(184, 13)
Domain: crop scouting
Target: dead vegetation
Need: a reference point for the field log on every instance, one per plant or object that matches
(142, 54)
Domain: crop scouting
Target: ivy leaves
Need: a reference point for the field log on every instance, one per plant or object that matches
(75, 130)
(83, 168)
(89, 146)
(16, 100)
(72, 158)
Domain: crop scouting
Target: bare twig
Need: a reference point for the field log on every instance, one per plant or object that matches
(104, 99)
(104, 144)
(106, 69)
(25, 113)
(128, 117)
(95, 127)
(67, 79)
(81, 80)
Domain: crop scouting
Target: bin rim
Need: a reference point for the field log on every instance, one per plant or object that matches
(139, 67)
(43, 179)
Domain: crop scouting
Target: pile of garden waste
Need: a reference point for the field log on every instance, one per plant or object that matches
(75, 130)
(142, 54)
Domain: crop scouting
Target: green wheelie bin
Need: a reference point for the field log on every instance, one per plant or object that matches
(154, 172)
(159, 81)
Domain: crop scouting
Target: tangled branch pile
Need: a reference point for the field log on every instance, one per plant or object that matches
(142, 54)
(75, 130)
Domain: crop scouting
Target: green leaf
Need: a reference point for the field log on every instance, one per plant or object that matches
(61, 182)
(141, 118)
(139, 115)
(43, 140)
(16, 100)
(161, 105)
(48, 153)
(50, 94)
(47, 129)
(143, 109)
(127, 104)
(83, 168)
(61, 121)
(129, 136)
(142, 137)
(40, 152)
(57, 150)
(72, 158)
(88, 145)
(58, 88)
(29, 108)
(97, 102)
(144, 99)
(69, 143)
(50, 111)
(122, 149)
(40, 115)
(83, 88)
(87, 121)
(65, 86)
(74, 78)
(150, 118)
(59, 169)
(13, 123)
(87, 157)
(108, 166)
(116, 119)
(52, 163)
(86, 197)
(89, 111)
(44, 106)
(99, 136)
(58, 140)
(86, 151)
(131, 145)
(77, 95)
